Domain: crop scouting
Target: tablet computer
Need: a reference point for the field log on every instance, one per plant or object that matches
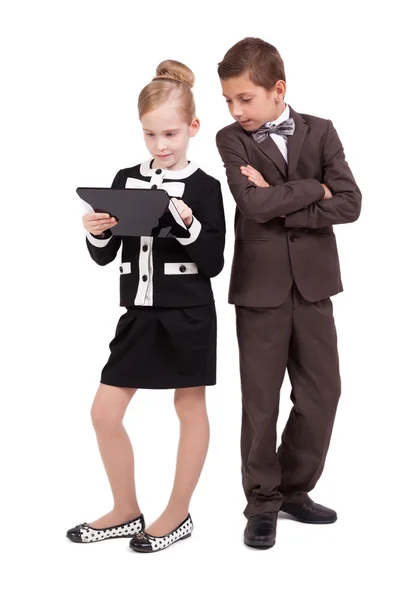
(139, 212)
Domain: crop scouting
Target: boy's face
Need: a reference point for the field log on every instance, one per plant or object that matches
(252, 105)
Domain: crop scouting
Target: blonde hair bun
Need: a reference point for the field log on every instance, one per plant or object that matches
(175, 71)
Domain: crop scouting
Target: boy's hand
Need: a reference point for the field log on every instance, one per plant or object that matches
(328, 193)
(184, 211)
(97, 223)
(253, 176)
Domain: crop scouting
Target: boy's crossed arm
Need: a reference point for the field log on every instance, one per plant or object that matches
(345, 205)
(298, 200)
(262, 204)
(255, 177)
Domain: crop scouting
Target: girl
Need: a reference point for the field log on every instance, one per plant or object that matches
(167, 336)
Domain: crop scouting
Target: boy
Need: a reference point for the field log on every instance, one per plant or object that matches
(288, 175)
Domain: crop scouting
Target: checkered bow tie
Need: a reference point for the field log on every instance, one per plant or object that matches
(285, 128)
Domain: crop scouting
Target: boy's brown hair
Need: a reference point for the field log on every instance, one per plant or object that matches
(259, 59)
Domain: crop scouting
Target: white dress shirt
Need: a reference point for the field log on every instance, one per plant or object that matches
(280, 140)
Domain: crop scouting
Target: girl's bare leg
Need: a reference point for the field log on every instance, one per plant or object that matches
(107, 413)
(190, 405)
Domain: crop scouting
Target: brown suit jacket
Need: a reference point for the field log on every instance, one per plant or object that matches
(271, 251)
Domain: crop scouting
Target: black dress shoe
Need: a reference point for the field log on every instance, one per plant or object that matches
(308, 511)
(144, 542)
(260, 530)
(83, 533)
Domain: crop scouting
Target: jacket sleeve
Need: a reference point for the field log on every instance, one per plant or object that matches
(103, 248)
(345, 205)
(262, 204)
(206, 243)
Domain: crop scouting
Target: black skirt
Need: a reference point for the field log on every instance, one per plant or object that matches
(163, 348)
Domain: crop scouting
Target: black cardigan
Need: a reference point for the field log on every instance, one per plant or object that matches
(167, 271)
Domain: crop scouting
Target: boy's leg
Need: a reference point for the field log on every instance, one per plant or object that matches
(313, 368)
(263, 336)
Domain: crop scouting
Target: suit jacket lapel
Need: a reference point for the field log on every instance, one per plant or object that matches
(271, 150)
(295, 142)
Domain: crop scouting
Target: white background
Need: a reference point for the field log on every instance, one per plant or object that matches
(72, 72)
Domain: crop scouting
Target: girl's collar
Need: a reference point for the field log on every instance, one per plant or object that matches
(145, 169)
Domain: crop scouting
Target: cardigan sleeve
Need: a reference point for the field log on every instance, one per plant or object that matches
(207, 233)
(103, 249)
(345, 204)
(261, 204)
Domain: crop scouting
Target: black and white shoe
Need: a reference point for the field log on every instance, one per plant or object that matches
(144, 542)
(84, 534)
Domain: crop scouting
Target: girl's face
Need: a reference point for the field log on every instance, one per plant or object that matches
(167, 136)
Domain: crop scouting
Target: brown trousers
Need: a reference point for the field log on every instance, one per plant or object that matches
(300, 336)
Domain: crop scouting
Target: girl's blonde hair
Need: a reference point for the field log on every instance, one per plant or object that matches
(173, 80)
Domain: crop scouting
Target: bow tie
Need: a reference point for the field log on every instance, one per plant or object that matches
(285, 128)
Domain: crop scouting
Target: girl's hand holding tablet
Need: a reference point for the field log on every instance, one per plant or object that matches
(184, 211)
(97, 223)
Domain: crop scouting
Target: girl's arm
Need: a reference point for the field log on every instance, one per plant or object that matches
(207, 233)
(103, 248)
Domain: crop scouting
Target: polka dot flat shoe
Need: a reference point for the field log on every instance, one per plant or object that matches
(144, 542)
(84, 534)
